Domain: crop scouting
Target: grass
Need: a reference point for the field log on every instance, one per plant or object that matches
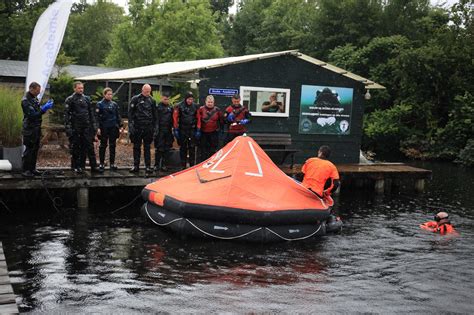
(11, 116)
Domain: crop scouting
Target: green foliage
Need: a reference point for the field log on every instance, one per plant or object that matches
(11, 115)
(17, 21)
(173, 99)
(383, 129)
(164, 31)
(88, 34)
(466, 156)
(452, 138)
(59, 89)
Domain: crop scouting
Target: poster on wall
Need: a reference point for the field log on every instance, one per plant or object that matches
(264, 101)
(325, 110)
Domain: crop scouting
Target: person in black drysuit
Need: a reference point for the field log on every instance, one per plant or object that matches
(109, 128)
(187, 129)
(81, 128)
(163, 134)
(141, 126)
(32, 118)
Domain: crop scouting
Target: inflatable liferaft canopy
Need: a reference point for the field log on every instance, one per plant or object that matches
(238, 193)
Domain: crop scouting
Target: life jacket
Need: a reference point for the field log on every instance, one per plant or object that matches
(443, 227)
(240, 113)
(210, 119)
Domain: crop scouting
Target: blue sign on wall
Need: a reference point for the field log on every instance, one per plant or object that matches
(224, 92)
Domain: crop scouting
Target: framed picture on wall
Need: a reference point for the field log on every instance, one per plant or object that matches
(325, 110)
(264, 101)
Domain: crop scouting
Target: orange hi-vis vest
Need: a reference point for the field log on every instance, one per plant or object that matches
(443, 228)
(316, 172)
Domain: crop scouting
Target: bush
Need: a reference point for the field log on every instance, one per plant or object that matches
(384, 130)
(466, 156)
(59, 89)
(450, 140)
(11, 116)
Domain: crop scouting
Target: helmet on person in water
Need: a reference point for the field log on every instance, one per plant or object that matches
(440, 216)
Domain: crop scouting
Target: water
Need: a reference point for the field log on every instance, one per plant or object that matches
(381, 262)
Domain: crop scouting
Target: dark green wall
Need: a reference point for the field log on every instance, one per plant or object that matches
(290, 72)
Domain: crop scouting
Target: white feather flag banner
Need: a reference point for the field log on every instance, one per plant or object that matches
(46, 41)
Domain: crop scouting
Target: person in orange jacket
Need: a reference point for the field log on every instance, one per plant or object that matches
(212, 120)
(441, 224)
(320, 175)
(237, 116)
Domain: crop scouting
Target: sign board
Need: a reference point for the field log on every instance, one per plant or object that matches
(223, 92)
(325, 110)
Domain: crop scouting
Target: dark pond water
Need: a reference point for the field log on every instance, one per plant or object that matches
(381, 262)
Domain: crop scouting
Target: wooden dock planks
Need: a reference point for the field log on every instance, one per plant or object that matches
(7, 298)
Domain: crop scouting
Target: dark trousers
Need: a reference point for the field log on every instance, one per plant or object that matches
(187, 147)
(31, 141)
(163, 143)
(140, 136)
(208, 144)
(108, 136)
(82, 147)
(231, 136)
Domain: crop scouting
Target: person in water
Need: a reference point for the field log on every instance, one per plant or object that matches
(441, 224)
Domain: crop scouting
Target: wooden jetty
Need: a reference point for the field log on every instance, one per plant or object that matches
(383, 174)
(7, 298)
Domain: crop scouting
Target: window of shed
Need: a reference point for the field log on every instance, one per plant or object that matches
(264, 101)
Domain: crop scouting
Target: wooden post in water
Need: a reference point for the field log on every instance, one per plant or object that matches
(420, 185)
(83, 198)
(379, 186)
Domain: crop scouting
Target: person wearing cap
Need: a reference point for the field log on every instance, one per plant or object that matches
(187, 129)
(441, 224)
(212, 121)
(237, 116)
(163, 136)
(320, 175)
(141, 126)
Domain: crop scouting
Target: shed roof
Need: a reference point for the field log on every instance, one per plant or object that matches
(18, 69)
(189, 70)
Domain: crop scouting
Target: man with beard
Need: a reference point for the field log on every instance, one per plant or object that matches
(187, 129)
(81, 128)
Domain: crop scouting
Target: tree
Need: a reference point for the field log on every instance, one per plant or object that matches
(17, 21)
(171, 30)
(88, 35)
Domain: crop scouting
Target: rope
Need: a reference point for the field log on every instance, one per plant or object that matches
(222, 237)
(5, 205)
(159, 224)
(295, 239)
(56, 201)
(128, 204)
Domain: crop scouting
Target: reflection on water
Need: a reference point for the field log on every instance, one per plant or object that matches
(91, 261)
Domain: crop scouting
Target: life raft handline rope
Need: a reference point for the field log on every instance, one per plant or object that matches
(295, 239)
(222, 237)
(159, 224)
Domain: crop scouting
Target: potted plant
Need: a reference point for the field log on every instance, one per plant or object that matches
(11, 116)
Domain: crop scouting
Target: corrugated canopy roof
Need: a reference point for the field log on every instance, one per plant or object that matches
(18, 69)
(189, 70)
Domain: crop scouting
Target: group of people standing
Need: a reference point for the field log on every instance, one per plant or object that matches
(196, 128)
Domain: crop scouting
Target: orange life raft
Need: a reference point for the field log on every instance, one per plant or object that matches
(238, 193)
